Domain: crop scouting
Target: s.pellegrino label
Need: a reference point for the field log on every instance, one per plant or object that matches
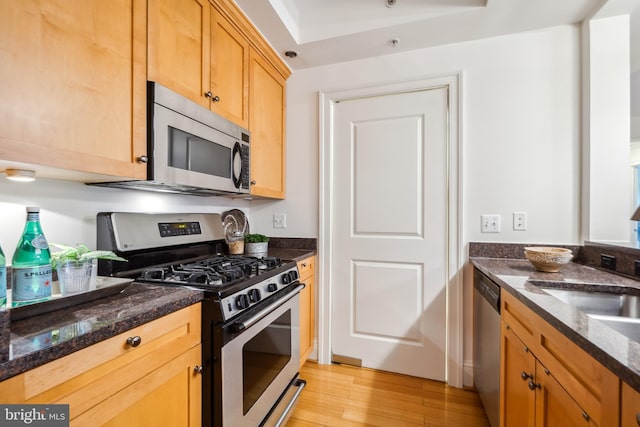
(31, 283)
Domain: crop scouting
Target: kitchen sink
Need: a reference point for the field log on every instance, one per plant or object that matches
(620, 312)
(599, 303)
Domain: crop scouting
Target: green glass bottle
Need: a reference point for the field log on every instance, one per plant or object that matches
(3, 280)
(31, 264)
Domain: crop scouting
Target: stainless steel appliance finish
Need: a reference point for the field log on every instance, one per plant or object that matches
(486, 344)
(250, 313)
(190, 149)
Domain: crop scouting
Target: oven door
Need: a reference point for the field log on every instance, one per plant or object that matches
(260, 364)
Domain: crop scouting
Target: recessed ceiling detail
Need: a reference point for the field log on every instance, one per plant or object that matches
(313, 20)
(331, 31)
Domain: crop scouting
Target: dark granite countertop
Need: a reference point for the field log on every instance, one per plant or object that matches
(37, 340)
(614, 350)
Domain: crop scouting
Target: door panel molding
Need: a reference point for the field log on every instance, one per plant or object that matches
(454, 255)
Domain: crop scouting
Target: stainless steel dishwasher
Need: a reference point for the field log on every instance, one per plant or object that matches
(486, 344)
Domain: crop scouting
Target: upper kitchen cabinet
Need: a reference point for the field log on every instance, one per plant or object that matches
(229, 87)
(73, 85)
(267, 126)
(196, 51)
(178, 47)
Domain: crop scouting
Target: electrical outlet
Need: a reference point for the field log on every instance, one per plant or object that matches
(519, 221)
(608, 262)
(279, 220)
(490, 223)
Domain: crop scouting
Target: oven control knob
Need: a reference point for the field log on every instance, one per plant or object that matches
(272, 287)
(289, 277)
(242, 301)
(254, 295)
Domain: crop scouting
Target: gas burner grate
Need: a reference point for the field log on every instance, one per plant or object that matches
(215, 271)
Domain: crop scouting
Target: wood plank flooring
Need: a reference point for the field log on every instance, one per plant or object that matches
(341, 395)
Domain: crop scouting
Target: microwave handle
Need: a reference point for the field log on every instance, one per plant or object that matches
(237, 177)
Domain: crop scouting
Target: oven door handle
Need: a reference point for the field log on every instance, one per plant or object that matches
(241, 326)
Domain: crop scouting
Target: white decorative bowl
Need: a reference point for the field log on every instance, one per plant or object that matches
(548, 259)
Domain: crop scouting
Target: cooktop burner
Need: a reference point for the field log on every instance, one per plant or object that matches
(218, 271)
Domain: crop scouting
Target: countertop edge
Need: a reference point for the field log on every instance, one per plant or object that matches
(172, 300)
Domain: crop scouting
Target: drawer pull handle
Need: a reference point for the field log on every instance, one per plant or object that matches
(526, 376)
(197, 369)
(585, 416)
(134, 341)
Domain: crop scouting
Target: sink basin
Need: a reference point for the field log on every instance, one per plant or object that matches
(599, 303)
(629, 327)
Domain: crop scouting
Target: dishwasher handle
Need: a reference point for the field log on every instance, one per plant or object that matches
(488, 290)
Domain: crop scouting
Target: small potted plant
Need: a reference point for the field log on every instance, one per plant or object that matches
(77, 267)
(256, 244)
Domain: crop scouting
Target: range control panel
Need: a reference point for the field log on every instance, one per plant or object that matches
(171, 229)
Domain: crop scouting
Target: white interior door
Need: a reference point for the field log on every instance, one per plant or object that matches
(389, 234)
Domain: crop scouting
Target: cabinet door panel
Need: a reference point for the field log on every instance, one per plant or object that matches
(554, 406)
(517, 401)
(229, 70)
(178, 47)
(73, 84)
(267, 126)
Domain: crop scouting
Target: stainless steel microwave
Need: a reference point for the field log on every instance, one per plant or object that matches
(190, 149)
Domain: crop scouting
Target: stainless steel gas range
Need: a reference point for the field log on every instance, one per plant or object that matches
(250, 312)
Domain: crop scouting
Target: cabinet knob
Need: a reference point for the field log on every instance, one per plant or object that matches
(209, 94)
(638, 418)
(142, 159)
(525, 376)
(533, 386)
(197, 369)
(134, 341)
(253, 182)
(585, 416)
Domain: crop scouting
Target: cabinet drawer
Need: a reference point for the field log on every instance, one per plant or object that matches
(82, 379)
(306, 268)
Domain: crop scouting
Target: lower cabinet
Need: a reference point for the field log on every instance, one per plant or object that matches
(306, 268)
(547, 380)
(629, 407)
(146, 376)
(532, 396)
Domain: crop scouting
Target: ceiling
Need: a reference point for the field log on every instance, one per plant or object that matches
(330, 31)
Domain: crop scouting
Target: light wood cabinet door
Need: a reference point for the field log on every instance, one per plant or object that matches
(179, 46)
(629, 407)
(73, 85)
(229, 70)
(554, 406)
(517, 368)
(306, 269)
(267, 126)
(168, 396)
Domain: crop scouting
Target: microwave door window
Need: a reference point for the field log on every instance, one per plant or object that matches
(209, 158)
(191, 153)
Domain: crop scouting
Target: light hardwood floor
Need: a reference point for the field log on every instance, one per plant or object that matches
(341, 395)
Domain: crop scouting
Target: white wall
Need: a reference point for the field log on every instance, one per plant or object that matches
(520, 134)
(68, 209)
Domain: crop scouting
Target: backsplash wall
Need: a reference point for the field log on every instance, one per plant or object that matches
(68, 209)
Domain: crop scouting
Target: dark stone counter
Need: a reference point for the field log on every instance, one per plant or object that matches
(37, 340)
(614, 350)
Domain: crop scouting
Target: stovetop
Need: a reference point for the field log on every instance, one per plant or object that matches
(214, 273)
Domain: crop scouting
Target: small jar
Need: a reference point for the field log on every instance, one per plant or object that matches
(235, 241)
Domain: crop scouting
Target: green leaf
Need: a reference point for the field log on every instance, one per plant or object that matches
(79, 253)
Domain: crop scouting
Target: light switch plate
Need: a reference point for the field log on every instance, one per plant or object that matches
(490, 223)
(279, 220)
